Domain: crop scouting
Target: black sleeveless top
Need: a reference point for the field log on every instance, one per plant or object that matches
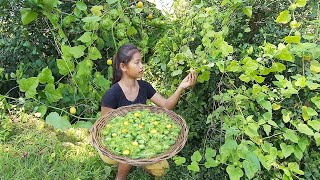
(114, 97)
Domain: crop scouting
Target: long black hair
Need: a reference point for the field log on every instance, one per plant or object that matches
(124, 55)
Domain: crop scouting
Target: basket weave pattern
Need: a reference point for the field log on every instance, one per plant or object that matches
(97, 136)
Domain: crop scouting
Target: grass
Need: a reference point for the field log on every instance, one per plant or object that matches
(36, 151)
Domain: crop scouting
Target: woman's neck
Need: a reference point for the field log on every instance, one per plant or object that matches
(128, 83)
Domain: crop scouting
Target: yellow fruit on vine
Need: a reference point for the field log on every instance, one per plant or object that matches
(135, 143)
(126, 152)
(276, 106)
(124, 130)
(156, 123)
(150, 16)
(169, 126)
(139, 4)
(204, 61)
(153, 131)
(137, 115)
(192, 39)
(126, 123)
(109, 62)
(73, 110)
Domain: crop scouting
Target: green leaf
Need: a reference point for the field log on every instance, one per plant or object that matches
(312, 85)
(316, 101)
(303, 143)
(278, 67)
(234, 67)
(102, 82)
(211, 163)
(86, 37)
(193, 167)
(42, 110)
(91, 19)
(287, 150)
(196, 157)
(250, 65)
(301, 81)
(249, 169)
(84, 68)
(27, 15)
(303, 128)
(266, 105)
(57, 121)
(235, 173)
(308, 112)
(314, 66)
(286, 115)
(301, 3)
(267, 129)
(247, 11)
(284, 17)
(298, 152)
(258, 79)
(65, 66)
(245, 78)
(83, 124)
(29, 86)
(46, 76)
(81, 6)
(251, 130)
(94, 53)
(52, 94)
(317, 138)
(210, 153)
(315, 124)
(77, 51)
(179, 160)
(131, 31)
(294, 167)
(205, 76)
(284, 54)
(292, 39)
(111, 1)
(176, 72)
(291, 135)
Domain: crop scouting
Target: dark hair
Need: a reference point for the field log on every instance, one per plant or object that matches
(124, 55)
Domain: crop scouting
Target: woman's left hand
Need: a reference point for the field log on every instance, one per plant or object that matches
(189, 80)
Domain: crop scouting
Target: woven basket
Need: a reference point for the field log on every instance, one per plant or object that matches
(97, 136)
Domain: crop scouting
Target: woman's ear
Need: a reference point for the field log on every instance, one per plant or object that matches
(123, 67)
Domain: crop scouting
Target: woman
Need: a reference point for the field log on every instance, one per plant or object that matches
(127, 89)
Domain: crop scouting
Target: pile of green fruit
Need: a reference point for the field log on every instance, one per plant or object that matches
(140, 134)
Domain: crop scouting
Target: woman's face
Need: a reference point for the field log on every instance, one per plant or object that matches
(134, 68)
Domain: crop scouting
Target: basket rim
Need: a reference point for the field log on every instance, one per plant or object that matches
(173, 150)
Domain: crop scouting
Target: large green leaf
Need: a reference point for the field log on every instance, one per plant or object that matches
(284, 53)
(86, 37)
(292, 39)
(94, 53)
(291, 135)
(57, 121)
(84, 68)
(179, 160)
(278, 67)
(196, 156)
(301, 3)
(65, 66)
(308, 112)
(303, 143)
(77, 51)
(131, 31)
(46, 76)
(245, 78)
(249, 169)
(315, 124)
(294, 167)
(317, 138)
(210, 162)
(287, 150)
(235, 173)
(303, 128)
(81, 5)
(315, 66)
(52, 94)
(27, 15)
(298, 152)
(193, 166)
(284, 17)
(247, 11)
(83, 124)
(266, 105)
(29, 86)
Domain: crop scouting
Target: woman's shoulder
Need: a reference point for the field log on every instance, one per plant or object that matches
(143, 82)
(113, 89)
